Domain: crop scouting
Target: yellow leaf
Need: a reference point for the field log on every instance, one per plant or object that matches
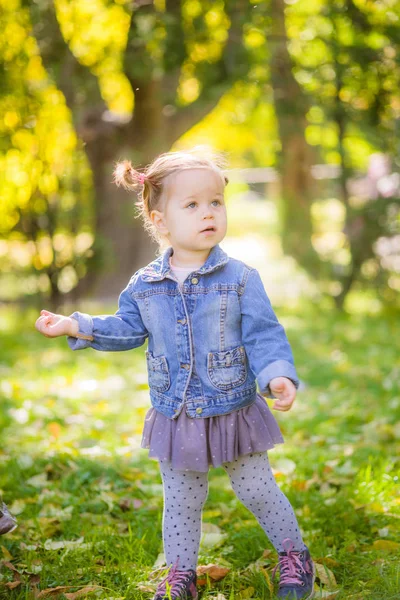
(247, 593)
(268, 580)
(325, 576)
(386, 545)
(6, 553)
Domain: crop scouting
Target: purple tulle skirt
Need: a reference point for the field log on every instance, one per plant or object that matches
(196, 444)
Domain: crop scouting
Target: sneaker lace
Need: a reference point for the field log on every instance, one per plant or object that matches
(291, 566)
(175, 578)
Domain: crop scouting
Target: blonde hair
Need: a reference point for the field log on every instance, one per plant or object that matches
(150, 182)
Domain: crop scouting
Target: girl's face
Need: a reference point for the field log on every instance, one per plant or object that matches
(193, 202)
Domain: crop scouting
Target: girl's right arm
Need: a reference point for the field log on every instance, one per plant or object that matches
(122, 331)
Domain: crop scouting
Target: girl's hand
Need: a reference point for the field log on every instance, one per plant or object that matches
(53, 325)
(285, 392)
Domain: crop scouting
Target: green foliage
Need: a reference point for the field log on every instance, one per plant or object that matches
(114, 57)
(89, 500)
(45, 195)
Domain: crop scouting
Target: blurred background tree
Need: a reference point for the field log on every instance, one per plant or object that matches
(275, 84)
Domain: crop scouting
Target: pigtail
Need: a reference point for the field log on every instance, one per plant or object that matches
(127, 177)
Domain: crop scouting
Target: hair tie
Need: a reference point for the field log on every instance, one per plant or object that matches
(141, 178)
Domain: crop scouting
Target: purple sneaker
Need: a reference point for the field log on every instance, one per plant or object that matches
(181, 585)
(7, 522)
(297, 573)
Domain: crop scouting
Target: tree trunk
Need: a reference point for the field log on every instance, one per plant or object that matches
(296, 156)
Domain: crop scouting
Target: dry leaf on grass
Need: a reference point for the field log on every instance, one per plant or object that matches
(49, 592)
(247, 593)
(145, 586)
(325, 575)
(387, 545)
(268, 580)
(327, 594)
(6, 553)
(328, 561)
(58, 545)
(89, 589)
(11, 585)
(215, 572)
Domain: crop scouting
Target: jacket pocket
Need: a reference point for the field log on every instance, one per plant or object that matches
(227, 369)
(158, 373)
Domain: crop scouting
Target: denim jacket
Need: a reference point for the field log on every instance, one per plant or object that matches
(211, 339)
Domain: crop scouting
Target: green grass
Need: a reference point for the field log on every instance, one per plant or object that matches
(72, 468)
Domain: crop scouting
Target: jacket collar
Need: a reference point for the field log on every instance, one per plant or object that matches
(159, 268)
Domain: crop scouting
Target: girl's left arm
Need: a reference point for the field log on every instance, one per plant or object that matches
(264, 338)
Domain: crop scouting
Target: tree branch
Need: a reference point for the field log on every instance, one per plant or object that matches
(75, 81)
(217, 78)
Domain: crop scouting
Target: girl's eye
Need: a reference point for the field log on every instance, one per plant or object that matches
(193, 203)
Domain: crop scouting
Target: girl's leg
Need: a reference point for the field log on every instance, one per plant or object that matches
(254, 484)
(185, 493)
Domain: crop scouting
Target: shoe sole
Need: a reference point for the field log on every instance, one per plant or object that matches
(313, 581)
(9, 530)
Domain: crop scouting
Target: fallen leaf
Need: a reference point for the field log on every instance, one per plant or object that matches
(212, 536)
(327, 560)
(212, 540)
(39, 480)
(247, 593)
(268, 580)
(24, 546)
(283, 466)
(17, 507)
(325, 575)
(47, 593)
(207, 527)
(82, 592)
(387, 545)
(327, 594)
(13, 584)
(57, 545)
(215, 572)
(10, 566)
(143, 586)
(6, 553)
(160, 561)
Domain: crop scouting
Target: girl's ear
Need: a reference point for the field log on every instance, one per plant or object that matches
(157, 218)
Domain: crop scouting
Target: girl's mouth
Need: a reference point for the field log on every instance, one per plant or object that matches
(210, 229)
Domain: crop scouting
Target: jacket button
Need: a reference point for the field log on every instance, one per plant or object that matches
(199, 411)
(185, 366)
(183, 321)
(194, 280)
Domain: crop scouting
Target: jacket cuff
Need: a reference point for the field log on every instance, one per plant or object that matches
(85, 332)
(279, 368)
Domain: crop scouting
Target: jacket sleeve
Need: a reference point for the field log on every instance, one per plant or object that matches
(122, 331)
(264, 338)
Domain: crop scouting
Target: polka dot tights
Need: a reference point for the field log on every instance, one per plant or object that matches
(253, 482)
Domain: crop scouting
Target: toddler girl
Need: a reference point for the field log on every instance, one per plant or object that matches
(212, 337)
